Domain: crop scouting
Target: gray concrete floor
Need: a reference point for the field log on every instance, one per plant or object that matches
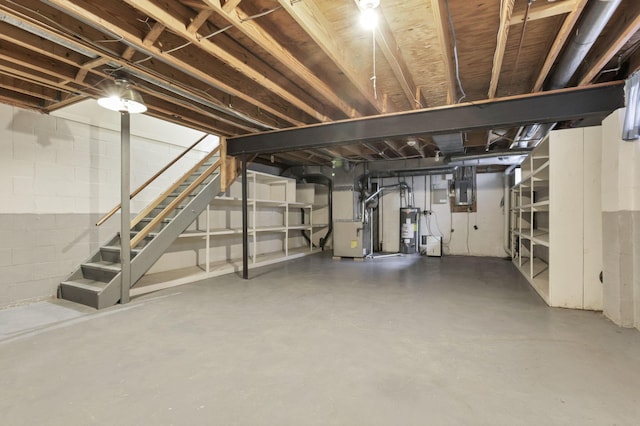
(397, 341)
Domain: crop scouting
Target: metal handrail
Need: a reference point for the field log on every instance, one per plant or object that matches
(151, 179)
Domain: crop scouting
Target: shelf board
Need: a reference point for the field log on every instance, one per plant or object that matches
(540, 278)
(299, 227)
(227, 201)
(301, 205)
(212, 232)
(267, 178)
(541, 237)
(162, 280)
(524, 232)
(271, 203)
(541, 206)
(259, 229)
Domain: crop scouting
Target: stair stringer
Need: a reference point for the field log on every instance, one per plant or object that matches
(151, 252)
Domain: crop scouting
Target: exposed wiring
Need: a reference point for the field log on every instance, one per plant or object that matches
(213, 34)
(455, 53)
(374, 77)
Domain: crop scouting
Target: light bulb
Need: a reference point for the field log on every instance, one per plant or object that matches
(368, 19)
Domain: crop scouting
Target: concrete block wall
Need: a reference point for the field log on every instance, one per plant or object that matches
(59, 174)
(620, 224)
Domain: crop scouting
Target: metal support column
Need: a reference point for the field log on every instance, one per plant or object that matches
(245, 220)
(125, 210)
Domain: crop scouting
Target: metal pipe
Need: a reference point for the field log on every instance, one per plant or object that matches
(591, 25)
(487, 155)
(594, 19)
(46, 35)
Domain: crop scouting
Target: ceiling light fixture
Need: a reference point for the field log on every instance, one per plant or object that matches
(122, 97)
(368, 14)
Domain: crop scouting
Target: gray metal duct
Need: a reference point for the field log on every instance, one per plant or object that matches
(495, 158)
(449, 143)
(594, 19)
(43, 34)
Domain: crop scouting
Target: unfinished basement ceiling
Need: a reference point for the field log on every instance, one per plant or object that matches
(238, 67)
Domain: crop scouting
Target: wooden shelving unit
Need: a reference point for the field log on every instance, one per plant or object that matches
(553, 210)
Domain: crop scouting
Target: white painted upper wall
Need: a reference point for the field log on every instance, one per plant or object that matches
(620, 167)
(70, 162)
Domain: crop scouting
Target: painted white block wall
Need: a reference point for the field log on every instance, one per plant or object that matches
(621, 223)
(58, 174)
(487, 240)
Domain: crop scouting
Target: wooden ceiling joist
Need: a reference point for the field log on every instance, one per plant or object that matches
(543, 10)
(445, 48)
(229, 5)
(254, 31)
(28, 88)
(386, 41)
(64, 102)
(256, 71)
(312, 20)
(393, 147)
(199, 20)
(501, 45)
(200, 73)
(87, 66)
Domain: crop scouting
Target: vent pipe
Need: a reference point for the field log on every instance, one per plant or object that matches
(595, 18)
(593, 21)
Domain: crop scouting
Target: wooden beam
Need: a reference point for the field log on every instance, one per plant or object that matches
(87, 66)
(40, 45)
(153, 34)
(610, 49)
(558, 43)
(445, 48)
(128, 53)
(260, 76)
(44, 64)
(357, 152)
(200, 19)
(200, 73)
(20, 99)
(229, 5)
(65, 102)
(498, 56)
(393, 147)
(311, 19)
(391, 51)
(29, 74)
(543, 10)
(262, 38)
(29, 88)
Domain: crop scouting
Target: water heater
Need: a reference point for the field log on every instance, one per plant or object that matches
(409, 229)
